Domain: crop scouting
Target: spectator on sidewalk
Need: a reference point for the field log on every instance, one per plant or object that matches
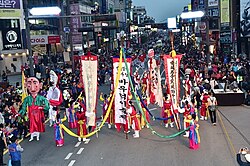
(212, 107)
(3, 144)
(243, 151)
(15, 151)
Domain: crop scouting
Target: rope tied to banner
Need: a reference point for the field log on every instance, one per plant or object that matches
(140, 108)
(68, 131)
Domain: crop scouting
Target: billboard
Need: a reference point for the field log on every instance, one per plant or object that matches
(213, 3)
(11, 38)
(225, 11)
(172, 22)
(10, 8)
(75, 24)
(244, 18)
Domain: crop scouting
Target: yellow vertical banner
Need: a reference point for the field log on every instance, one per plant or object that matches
(24, 90)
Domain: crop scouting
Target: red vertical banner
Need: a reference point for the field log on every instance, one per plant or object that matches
(121, 95)
(89, 64)
(172, 70)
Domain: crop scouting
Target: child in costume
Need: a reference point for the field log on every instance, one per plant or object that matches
(194, 137)
(58, 131)
(72, 115)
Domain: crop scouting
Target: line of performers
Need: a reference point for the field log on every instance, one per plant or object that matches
(35, 105)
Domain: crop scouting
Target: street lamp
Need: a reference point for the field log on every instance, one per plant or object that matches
(44, 11)
(189, 15)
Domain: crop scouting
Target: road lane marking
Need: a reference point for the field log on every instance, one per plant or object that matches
(77, 144)
(68, 156)
(87, 141)
(227, 135)
(72, 162)
(80, 151)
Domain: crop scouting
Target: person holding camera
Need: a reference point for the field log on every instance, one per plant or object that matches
(245, 152)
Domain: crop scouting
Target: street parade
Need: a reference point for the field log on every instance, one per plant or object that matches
(154, 98)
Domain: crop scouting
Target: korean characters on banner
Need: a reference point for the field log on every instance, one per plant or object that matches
(89, 66)
(172, 66)
(121, 95)
(154, 83)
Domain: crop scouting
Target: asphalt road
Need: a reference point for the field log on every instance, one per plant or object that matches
(218, 145)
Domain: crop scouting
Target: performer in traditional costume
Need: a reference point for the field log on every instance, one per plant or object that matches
(66, 97)
(146, 102)
(72, 115)
(204, 106)
(134, 119)
(58, 131)
(194, 137)
(81, 123)
(186, 114)
(144, 84)
(106, 100)
(167, 112)
(54, 96)
(187, 85)
(35, 105)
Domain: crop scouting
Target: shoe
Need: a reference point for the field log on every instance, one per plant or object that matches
(79, 139)
(109, 126)
(171, 125)
(147, 126)
(205, 118)
(127, 132)
(31, 139)
(214, 124)
(202, 118)
(166, 125)
(37, 139)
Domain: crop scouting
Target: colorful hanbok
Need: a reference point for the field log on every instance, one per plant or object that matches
(58, 132)
(72, 118)
(194, 137)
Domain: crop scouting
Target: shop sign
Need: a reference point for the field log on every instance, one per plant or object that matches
(11, 38)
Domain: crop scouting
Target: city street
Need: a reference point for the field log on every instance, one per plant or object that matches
(112, 148)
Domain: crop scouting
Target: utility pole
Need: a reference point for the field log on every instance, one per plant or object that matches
(27, 24)
(207, 29)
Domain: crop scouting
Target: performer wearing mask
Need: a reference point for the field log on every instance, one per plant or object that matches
(35, 105)
(54, 96)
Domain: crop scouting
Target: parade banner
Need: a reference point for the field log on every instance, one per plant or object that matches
(121, 95)
(172, 66)
(155, 89)
(89, 66)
